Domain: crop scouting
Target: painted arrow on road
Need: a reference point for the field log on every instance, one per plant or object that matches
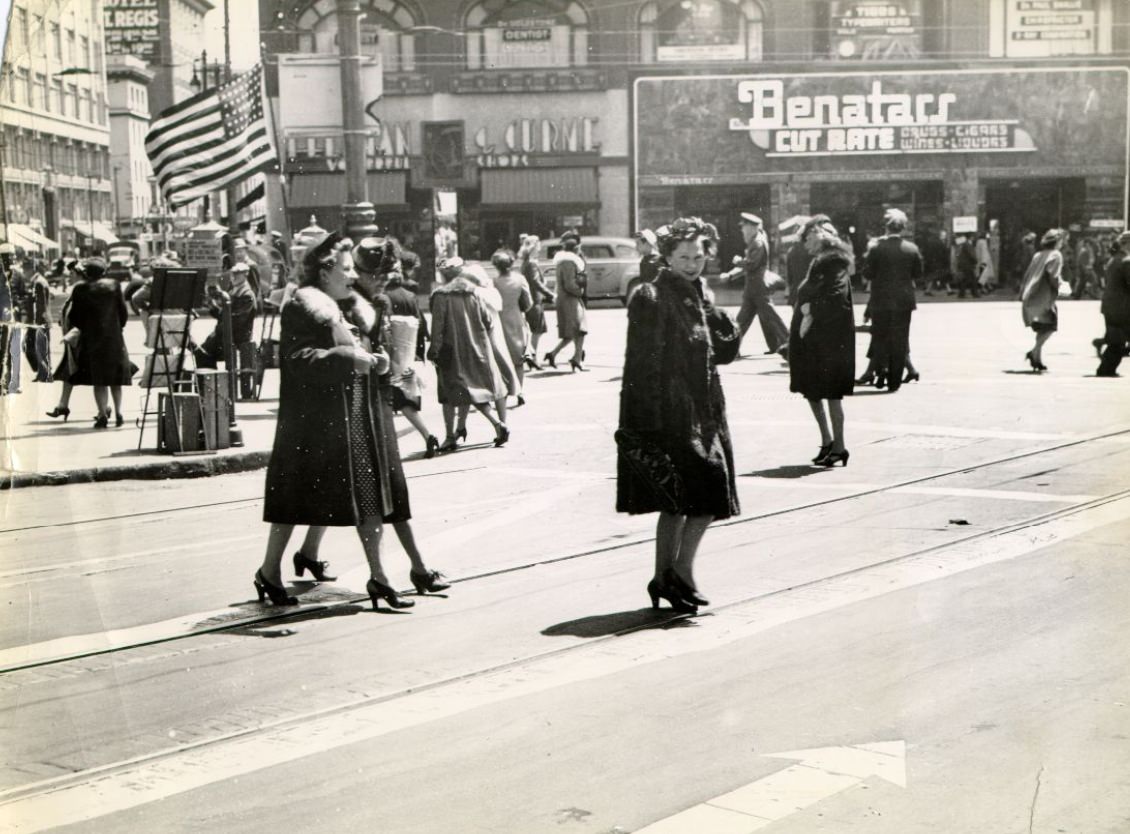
(819, 773)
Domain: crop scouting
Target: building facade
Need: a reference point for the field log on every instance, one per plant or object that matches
(56, 131)
(541, 115)
(131, 174)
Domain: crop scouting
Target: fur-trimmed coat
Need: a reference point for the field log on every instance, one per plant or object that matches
(309, 477)
(671, 397)
(822, 362)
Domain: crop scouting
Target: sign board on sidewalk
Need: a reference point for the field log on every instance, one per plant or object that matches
(203, 253)
(963, 225)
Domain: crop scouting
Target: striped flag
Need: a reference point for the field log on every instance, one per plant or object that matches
(211, 140)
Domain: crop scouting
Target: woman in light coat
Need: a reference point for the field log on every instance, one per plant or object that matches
(572, 324)
(516, 300)
(1039, 292)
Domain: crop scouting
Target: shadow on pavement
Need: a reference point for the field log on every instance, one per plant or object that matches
(272, 630)
(603, 625)
(792, 471)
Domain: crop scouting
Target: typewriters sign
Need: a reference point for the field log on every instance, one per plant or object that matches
(871, 30)
(132, 27)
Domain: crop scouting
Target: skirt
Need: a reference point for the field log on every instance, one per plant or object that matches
(363, 453)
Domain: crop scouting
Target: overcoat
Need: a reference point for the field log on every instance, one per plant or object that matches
(1040, 289)
(98, 310)
(893, 266)
(467, 369)
(1116, 293)
(671, 396)
(569, 268)
(822, 363)
(539, 293)
(309, 476)
(516, 300)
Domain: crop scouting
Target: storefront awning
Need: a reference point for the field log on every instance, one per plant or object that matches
(29, 238)
(100, 231)
(539, 186)
(321, 190)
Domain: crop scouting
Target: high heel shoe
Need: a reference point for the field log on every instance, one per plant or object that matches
(866, 379)
(461, 434)
(1036, 366)
(433, 446)
(449, 445)
(317, 569)
(686, 590)
(911, 377)
(660, 590)
(59, 411)
(576, 365)
(521, 400)
(277, 595)
(832, 458)
(502, 434)
(428, 582)
(379, 591)
(880, 381)
(101, 422)
(823, 453)
(550, 360)
(119, 420)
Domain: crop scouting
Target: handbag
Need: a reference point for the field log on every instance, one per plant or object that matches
(653, 467)
(1063, 290)
(725, 335)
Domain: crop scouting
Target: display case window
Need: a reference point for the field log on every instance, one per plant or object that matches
(701, 30)
(1050, 28)
(526, 33)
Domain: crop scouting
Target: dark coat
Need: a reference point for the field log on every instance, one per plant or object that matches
(98, 310)
(822, 364)
(1116, 294)
(650, 266)
(893, 266)
(796, 268)
(672, 397)
(309, 477)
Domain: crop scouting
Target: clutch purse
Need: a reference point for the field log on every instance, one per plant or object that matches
(653, 467)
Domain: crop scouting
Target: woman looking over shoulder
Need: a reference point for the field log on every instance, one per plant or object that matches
(822, 336)
(674, 452)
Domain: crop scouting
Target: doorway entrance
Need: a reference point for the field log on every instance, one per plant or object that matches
(1031, 205)
(856, 208)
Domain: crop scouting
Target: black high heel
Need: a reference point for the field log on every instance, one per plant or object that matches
(265, 589)
(659, 590)
(880, 381)
(521, 400)
(502, 434)
(832, 458)
(379, 591)
(101, 422)
(428, 582)
(823, 453)
(119, 420)
(550, 360)
(461, 434)
(912, 377)
(449, 445)
(317, 569)
(686, 590)
(576, 365)
(433, 446)
(59, 411)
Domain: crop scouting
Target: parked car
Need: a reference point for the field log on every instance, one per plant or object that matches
(613, 265)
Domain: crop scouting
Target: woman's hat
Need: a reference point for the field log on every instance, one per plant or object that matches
(896, 218)
(648, 237)
(94, 268)
(1052, 236)
(572, 234)
(367, 254)
(316, 254)
(454, 262)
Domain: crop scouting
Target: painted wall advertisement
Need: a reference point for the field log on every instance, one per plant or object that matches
(1042, 28)
(132, 27)
(741, 125)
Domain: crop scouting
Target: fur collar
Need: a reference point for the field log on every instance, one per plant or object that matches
(325, 310)
(458, 284)
(565, 255)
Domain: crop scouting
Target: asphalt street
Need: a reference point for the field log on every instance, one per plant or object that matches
(929, 640)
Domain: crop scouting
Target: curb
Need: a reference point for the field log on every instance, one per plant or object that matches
(157, 470)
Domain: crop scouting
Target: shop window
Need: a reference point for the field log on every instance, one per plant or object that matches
(701, 30)
(875, 30)
(1017, 31)
(526, 33)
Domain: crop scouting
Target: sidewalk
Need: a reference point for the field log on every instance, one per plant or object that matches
(41, 451)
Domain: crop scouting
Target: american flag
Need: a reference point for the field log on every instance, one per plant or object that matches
(211, 140)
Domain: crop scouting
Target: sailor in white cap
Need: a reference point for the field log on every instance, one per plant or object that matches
(893, 267)
(755, 295)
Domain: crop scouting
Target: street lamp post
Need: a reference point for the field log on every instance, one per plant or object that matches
(357, 212)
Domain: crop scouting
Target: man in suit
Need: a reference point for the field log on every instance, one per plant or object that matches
(755, 296)
(893, 266)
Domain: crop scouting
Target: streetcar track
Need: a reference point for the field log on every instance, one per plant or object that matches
(662, 619)
(274, 614)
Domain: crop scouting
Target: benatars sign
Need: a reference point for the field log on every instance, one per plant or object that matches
(871, 122)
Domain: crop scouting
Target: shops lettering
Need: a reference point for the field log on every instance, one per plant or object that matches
(522, 138)
(772, 110)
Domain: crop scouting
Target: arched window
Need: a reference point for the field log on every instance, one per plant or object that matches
(526, 33)
(385, 30)
(701, 30)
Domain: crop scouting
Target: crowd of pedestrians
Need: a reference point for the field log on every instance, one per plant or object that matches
(352, 326)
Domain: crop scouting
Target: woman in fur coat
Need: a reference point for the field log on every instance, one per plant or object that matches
(334, 461)
(674, 453)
